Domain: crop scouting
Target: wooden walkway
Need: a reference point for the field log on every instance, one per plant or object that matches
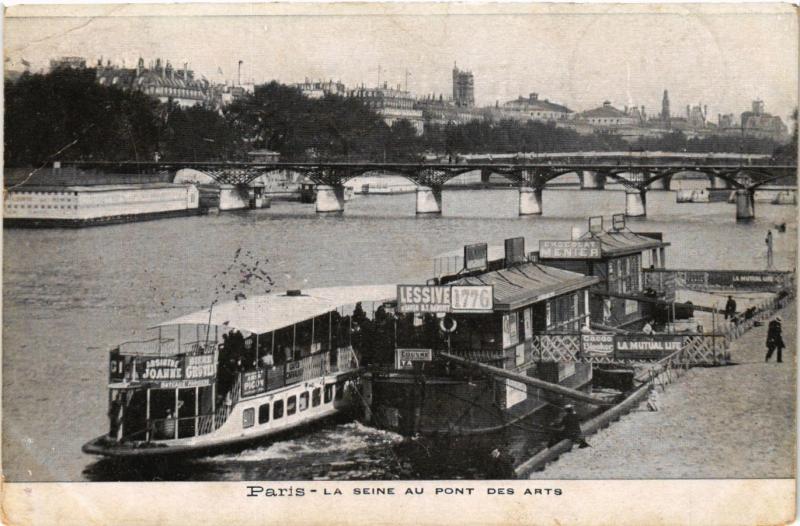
(736, 421)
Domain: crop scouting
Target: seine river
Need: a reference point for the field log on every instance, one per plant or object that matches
(70, 294)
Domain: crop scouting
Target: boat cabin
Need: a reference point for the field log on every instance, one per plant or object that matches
(616, 257)
(186, 381)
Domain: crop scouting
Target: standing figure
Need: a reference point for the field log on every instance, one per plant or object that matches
(730, 308)
(570, 429)
(768, 241)
(775, 339)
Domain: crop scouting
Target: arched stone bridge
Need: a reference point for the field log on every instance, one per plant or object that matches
(637, 175)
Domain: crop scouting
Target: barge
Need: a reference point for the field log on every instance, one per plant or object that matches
(467, 347)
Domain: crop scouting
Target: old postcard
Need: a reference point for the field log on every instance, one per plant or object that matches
(399, 264)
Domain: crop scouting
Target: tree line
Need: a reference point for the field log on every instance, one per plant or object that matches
(67, 115)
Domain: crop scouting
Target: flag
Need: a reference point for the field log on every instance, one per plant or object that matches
(25, 63)
(219, 70)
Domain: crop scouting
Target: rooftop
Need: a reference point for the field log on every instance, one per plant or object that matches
(528, 283)
(618, 243)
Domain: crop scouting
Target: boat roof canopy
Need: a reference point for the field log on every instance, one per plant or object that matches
(266, 313)
(621, 242)
(521, 285)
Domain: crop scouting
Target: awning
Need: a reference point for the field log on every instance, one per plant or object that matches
(266, 313)
(624, 242)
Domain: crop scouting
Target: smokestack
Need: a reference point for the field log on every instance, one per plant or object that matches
(240, 73)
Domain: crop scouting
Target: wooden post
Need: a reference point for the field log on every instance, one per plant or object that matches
(179, 338)
(196, 408)
(176, 412)
(147, 416)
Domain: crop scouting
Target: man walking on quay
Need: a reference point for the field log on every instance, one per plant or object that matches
(570, 429)
(768, 241)
(775, 339)
(730, 308)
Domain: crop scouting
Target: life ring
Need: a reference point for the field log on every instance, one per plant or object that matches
(443, 324)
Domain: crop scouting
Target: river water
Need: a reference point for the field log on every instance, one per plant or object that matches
(68, 295)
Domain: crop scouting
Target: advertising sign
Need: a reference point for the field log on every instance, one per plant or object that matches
(254, 382)
(476, 257)
(510, 329)
(445, 298)
(294, 372)
(646, 347)
(405, 358)
(472, 298)
(515, 250)
(597, 344)
(516, 392)
(585, 249)
(177, 371)
(528, 323)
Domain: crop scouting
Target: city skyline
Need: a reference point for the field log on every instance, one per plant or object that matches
(553, 53)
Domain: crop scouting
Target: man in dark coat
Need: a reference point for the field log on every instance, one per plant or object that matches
(570, 428)
(775, 339)
(730, 308)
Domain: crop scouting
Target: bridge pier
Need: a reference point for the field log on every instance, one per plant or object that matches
(530, 201)
(330, 198)
(745, 205)
(718, 183)
(429, 200)
(485, 175)
(592, 180)
(660, 184)
(635, 202)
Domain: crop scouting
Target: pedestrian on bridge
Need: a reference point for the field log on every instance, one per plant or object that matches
(775, 339)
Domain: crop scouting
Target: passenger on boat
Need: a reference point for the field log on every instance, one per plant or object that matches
(648, 327)
(501, 466)
(267, 360)
(168, 426)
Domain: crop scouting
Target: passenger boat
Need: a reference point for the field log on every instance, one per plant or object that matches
(237, 373)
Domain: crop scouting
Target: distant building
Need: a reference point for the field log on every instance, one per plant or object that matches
(67, 63)
(320, 88)
(393, 104)
(696, 116)
(607, 116)
(531, 108)
(160, 81)
(758, 123)
(665, 116)
(463, 88)
(727, 121)
(441, 112)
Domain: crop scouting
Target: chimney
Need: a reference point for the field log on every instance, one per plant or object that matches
(240, 74)
(186, 72)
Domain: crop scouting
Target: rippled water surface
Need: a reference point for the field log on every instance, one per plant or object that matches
(70, 294)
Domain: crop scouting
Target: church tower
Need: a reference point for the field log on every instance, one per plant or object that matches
(665, 107)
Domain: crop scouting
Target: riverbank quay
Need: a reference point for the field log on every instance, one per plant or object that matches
(735, 421)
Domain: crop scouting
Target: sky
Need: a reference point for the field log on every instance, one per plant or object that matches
(723, 57)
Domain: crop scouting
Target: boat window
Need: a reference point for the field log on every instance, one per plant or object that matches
(328, 393)
(248, 417)
(291, 405)
(315, 397)
(277, 409)
(263, 414)
(339, 390)
(303, 401)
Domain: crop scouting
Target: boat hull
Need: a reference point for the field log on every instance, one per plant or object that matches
(410, 404)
